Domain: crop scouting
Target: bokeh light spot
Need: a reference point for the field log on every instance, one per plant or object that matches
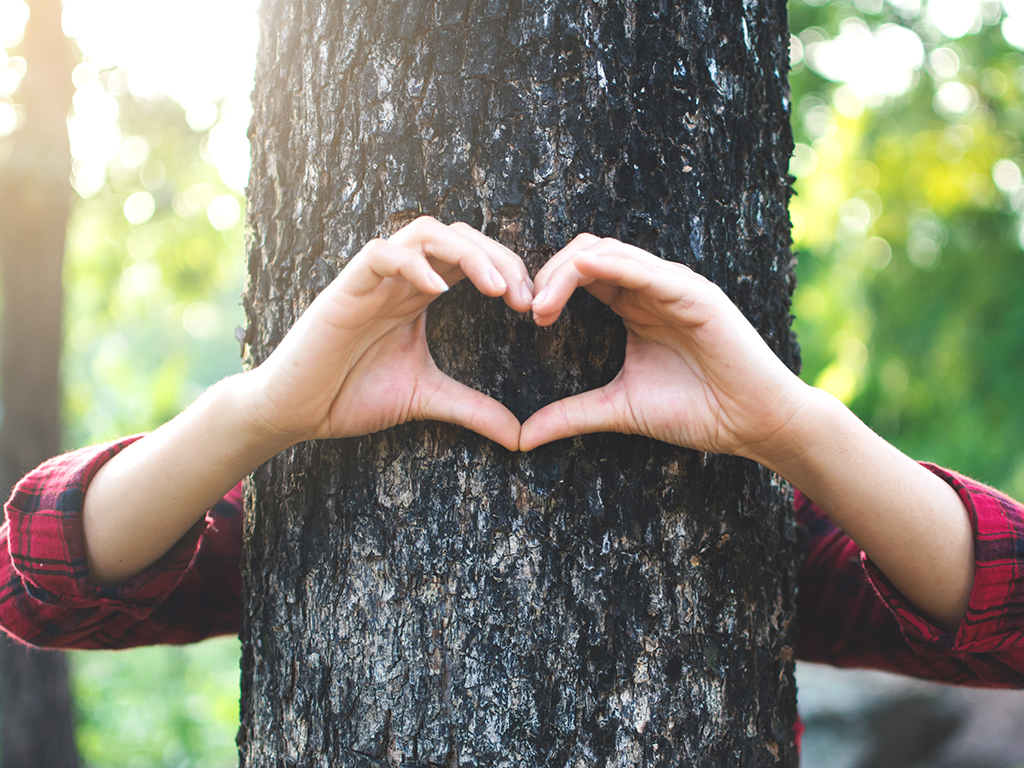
(1013, 25)
(139, 208)
(9, 118)
(955, 18)
(877, 253)
(13, 16)
(894, 378)
(874, 63)
(11, 74)
(803, 162)
(223, 212)
(1007, 175)
(200, 319)
(954, 99)
(944, 63)
(133, 152)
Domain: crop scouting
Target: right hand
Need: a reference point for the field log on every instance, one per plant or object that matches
(696, 373)
(357, 361)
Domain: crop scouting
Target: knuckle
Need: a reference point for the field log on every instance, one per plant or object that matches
(375, 248)
(423, 223)
(563, 412)
(417, 229)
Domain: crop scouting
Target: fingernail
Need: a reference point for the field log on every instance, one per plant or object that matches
(496, 279)
(439, 282)
(526, 293)
(539, 298)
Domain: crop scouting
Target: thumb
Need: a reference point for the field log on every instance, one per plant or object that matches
(447, 400)
(593, 411)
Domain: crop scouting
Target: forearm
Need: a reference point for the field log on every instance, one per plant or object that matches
(148, 496)
(910, 523)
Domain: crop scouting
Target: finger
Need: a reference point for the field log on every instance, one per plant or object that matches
(603, 293)
(604, 267)
(637, 270)
(448, 246)
(589, 242)
(592, 411)
(561, 257)
(445, 399)
(558, 280)
(380, 259)
(519, 295)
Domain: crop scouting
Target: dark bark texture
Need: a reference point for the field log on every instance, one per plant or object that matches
(36, 726)
(422, 597)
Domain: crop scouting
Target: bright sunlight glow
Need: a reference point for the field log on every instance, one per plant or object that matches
(201, 53)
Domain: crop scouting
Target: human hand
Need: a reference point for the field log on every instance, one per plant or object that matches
(696, 373)
(357, 361)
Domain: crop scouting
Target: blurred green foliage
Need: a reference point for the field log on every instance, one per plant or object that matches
(907, 225)
(158, 706)
(152, 285)
(153, 278)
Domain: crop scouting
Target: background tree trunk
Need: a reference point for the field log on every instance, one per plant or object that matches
(36, 725)
(422, 597)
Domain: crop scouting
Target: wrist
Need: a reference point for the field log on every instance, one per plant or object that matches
(814, 415)
(909, 522)
(150, 494)
(238, 403)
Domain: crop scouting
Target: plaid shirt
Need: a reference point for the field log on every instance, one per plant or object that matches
(848, 613)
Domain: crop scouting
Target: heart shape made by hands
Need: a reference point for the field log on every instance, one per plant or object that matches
(485, 345)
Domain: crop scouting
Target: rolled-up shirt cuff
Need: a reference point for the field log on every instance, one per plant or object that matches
(47, 544)
(995, 610)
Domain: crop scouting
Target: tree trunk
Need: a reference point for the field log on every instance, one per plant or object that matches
(36, 724)
(422, 597)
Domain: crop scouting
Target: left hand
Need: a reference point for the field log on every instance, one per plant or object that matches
(357, 361)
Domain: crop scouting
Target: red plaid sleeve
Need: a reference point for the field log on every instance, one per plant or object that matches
(191, 593)
(849, 614)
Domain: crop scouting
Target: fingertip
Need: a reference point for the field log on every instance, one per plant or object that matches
(526, 294)
(504, 432)
(532, 434)
(582, 240)
(519, 299)
(497, 281)
(526, 443)
(544, 320)
(543, 311)
(512, 446)
(438, 283)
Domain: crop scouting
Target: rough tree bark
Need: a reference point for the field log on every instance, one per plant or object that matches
(422, 597)
(36, 726)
